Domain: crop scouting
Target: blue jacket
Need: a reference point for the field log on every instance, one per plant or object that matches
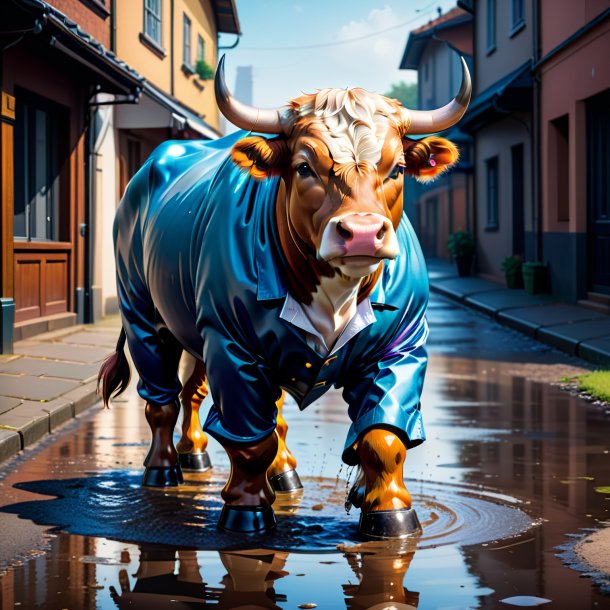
(199, 267)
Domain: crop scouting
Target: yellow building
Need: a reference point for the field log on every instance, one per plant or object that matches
(164, 41)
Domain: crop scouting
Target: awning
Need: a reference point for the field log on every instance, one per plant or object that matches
(511, 93)
(158, 110)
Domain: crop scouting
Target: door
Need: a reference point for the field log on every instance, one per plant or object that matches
(598, 191)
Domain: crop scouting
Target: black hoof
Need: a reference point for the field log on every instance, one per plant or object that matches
(286, 481)
(382, 524)
(355, 497)
(246, 519)
(195, 462)
(162, 477)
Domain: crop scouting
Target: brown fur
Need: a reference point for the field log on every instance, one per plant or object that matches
(417, 157)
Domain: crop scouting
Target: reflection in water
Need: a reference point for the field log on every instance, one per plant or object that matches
(381, 568)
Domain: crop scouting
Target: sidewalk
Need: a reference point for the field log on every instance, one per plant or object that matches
(576, 330)
(50, 379)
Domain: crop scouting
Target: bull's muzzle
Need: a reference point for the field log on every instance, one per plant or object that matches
(359, 234)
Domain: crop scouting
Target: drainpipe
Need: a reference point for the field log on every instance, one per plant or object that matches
(113, 26)
(171, 47)
(536, 135)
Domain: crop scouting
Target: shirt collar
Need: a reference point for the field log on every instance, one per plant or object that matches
(294, 313)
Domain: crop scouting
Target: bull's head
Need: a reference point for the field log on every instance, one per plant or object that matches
(341, 154)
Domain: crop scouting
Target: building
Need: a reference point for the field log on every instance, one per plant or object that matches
(540, 120)
(164, 42)
(445, 205)
(76, 122)
(50, 68)
(574, 106)
(500, 119)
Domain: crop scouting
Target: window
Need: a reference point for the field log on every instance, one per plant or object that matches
(152, 21)
(186, 43)
(200, 48)
(37, 163)
(492, 194)
(491, 26)
(517, 17)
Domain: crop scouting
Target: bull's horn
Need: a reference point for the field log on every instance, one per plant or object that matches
(246, 117)
(432, 121)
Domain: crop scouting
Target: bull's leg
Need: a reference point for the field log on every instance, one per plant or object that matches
(192, 445)
(282, 474)
(247, 494)
(386, 505)
(162, 468)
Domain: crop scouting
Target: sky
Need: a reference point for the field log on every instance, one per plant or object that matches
(280, 37)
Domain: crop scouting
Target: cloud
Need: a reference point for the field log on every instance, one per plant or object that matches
(371, 62)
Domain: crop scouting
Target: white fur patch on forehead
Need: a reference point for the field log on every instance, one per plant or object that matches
(356, 123)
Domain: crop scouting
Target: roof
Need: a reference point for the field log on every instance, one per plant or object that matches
(513, 92)
(225, 12)
(69, 38)
(442, 19)
(418, 38)
(189, 118)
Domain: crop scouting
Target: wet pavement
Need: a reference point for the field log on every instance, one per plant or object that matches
(508, 474)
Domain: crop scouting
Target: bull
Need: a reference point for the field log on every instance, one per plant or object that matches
(282, 263)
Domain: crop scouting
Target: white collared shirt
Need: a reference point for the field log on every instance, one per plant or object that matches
(294, 312)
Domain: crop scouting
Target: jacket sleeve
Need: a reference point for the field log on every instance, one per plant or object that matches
(385, 390)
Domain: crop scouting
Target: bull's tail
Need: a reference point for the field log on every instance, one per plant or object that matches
(114, 373)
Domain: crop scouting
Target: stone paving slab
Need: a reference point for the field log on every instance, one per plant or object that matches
(460, 287)
(29, 387)
(596, 350)
(498, 300)
(93, 339)
(572, 334)
(10, 444)
(61, 351)
(531, 319)
(50, 368)
(8, 402)
(29, 420)
(60, 411)
(82, 397)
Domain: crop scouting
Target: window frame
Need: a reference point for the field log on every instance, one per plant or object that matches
(27, 165)
(187, 49)
(146, 36)
(491, 27)
(517, 18)
(492, 186)
(200, 47)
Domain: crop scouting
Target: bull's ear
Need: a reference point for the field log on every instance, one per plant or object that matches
(428, 158)
(260, 157)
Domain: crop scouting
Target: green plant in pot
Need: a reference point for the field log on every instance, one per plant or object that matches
(535, 277)
(204, 70)
(511, 266)
(461, 247)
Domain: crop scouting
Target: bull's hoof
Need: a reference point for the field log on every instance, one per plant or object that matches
(162, 477)
(383, 524)
(286, 481)
(246, 519)
(195, 462)
(355, 497)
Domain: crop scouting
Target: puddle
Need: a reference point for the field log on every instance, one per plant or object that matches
(314, 521)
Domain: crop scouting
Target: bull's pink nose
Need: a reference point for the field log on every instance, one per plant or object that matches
(362, 233)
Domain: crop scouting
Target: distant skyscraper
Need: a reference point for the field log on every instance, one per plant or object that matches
(243, 84)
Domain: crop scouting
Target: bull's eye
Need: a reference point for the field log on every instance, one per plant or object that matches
(304, 170)
(397, 170)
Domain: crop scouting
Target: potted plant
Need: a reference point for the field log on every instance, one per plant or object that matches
(461, 247)
(204, 70)
(535, 277)
(511, 266)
